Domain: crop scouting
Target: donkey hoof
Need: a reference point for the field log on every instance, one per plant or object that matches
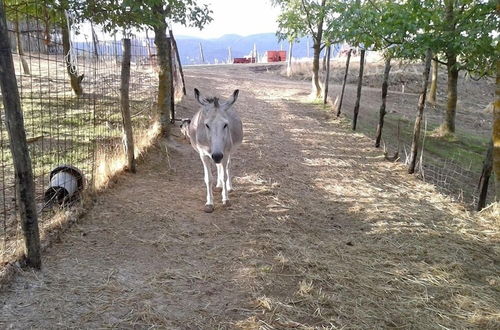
(226, 203)
(208, 208)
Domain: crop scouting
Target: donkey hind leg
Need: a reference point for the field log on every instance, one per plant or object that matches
(229, 184)
(209, 206)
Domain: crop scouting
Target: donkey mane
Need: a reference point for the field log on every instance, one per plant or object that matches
(214, 100)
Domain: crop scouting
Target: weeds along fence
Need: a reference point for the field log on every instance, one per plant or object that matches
(62, 128)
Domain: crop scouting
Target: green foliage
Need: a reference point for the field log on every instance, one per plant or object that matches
(125, 14)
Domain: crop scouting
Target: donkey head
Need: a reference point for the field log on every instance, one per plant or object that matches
(216, 123)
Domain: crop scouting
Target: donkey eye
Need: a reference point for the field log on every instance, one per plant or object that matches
(225, 125)
(207, 126)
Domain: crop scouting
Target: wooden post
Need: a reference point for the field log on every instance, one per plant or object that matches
(229, 55)
(128, 135)
(339, 108)
(485, 177)
(420, 113)
(202, 56)
(25, 186)
(177, 56)
(358, 94)
(327, 78)
(496, 129)
(94, 40)
(385, 87)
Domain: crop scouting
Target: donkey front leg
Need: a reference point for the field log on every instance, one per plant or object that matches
(222, 169)
(220, 177)
(209, 206)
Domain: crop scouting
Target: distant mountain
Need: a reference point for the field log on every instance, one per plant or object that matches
(216, 50)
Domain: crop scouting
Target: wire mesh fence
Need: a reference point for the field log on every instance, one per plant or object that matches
(453, 164)
(83, 131)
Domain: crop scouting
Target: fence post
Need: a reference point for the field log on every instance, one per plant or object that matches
(485, 177)
(176, 50)
(128, 137)
(421, 107)
(339, 108)
(327, 78)
(360, 84)
(19, 148)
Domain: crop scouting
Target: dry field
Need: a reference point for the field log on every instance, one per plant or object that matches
(323, 233)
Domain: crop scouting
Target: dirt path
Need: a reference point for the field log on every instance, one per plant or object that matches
(322, 232)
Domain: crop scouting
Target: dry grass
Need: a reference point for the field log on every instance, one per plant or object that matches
(323, 234)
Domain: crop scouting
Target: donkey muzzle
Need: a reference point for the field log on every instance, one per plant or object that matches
(217, 157)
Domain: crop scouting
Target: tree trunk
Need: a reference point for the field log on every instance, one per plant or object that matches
(178, 58)
(327, 78)
(289, 60)
(485, 178)
(94, 41)
(165, 94)
(432, 98)
(20, 51)
(448, 126)
(339, 108)
(496, 132)
(316, 86)
(420, 113)
(385, 86)
(360, 84)
(75, 80)
(128, 135)
(25, 186)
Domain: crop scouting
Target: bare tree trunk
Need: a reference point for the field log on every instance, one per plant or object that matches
(339, 108)
(289, 60)
(385, 87)
(496, 130)
(20, 50)
(178, 58)
(202, 56)
(75, 80)
(327, 78)
(432, 98)
(128, 137)
(360, 85)
(25, 187)
(165, 94)
(485, 177)
(420, 113)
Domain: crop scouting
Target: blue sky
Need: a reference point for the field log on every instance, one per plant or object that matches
(243, 17)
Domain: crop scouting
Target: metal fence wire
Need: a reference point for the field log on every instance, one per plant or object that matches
(62, 128)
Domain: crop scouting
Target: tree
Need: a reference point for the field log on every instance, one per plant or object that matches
(307, 17)
(115, 15)
(461, 33)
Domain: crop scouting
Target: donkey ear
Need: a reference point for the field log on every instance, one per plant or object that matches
(197, 96)
(232, 99)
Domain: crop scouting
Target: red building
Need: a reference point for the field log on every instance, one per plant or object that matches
(276, 55)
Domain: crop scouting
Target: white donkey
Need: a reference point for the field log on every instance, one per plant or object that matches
(215, 130)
